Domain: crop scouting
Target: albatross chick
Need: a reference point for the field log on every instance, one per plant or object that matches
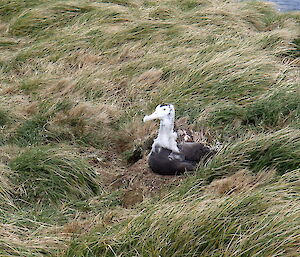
(167, 157)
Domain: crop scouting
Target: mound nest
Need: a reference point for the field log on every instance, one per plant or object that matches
(136, 181)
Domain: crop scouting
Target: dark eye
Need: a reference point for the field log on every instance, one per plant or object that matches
(164, 109)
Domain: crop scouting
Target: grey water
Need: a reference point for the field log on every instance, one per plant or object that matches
(286, 5)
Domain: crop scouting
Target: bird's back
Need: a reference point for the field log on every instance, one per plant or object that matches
(195, 152)
(160, 162)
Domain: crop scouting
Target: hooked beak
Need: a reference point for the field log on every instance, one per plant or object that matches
(152, 116)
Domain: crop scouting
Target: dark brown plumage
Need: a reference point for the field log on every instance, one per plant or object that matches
(167, 157)
(164, 162)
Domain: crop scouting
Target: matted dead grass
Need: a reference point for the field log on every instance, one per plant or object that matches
(241, 181)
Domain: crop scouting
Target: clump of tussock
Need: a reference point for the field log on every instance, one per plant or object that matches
(36, 20)
(262, 222)
(274, 111)
(31, 85)
(31, 131)
(4, 121)
(230, 73)
(136, 135)
(66, 120)
(223, 114)
(46, 174)
(85, 122)
(4, 117)
(19, 241)
(9, 8)
(278, 150)
(242, 181)
(5, 187)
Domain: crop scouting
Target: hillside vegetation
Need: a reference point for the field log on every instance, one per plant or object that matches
(76, 78)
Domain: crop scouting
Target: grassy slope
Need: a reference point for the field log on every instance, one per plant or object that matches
(80, 74)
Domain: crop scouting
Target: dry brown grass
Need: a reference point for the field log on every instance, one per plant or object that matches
(15, 238)
(241, 181)
(8, 152)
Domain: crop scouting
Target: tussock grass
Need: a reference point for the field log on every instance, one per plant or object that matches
(278, 150)
(83, 73)
(45, 174)
(277, 110)
(37, 21)
(31, 132)
(4, 118)
(86, 122)
(241, 181)
(16, 241)
(63, 120)
(186, 39)
(270, 112)
(9, 8)
(5, 188)
(262, 222)
(31, 232)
